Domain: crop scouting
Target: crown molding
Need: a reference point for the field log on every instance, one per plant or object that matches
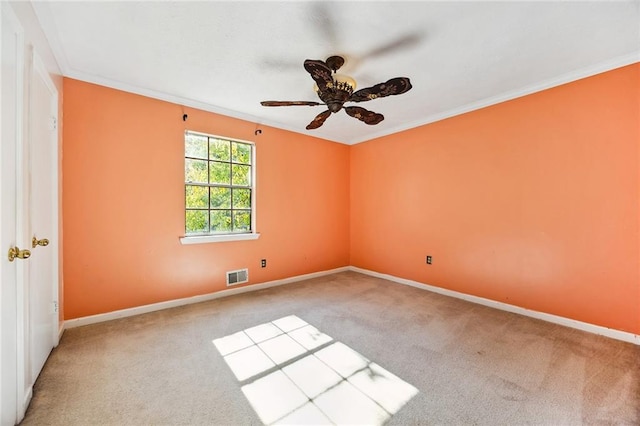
(579, 74)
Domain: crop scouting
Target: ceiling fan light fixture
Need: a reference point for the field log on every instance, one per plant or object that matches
(344, 82)
(341, 82)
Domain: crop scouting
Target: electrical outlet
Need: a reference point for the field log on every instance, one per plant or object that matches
(429, 260)
(263, 263)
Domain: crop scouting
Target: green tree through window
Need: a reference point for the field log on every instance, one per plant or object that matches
(218, 175)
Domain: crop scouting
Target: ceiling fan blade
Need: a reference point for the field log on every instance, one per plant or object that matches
(325, 23)
(395, 86)
(403, 42)
(320, 72)
(289, 103)
(368, 117)
(319, 120)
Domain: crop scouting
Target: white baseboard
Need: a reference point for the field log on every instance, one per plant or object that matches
(60, 333)
(26, 400)
(567, 322)
(92, 319)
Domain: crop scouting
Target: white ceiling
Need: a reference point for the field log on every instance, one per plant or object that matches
(227, 56)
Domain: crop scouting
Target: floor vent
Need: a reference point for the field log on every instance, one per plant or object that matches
(237, 277)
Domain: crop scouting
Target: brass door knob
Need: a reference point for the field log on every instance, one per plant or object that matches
(15, 252)
(36, 242)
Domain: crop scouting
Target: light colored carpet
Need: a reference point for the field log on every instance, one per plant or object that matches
(470, 364)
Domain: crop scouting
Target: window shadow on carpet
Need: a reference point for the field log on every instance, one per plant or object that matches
(291, 373)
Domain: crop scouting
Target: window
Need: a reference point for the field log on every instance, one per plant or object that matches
(219, 186)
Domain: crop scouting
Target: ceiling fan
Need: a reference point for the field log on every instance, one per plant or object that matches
(335, 89)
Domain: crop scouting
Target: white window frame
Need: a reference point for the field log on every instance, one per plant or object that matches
(232, 236)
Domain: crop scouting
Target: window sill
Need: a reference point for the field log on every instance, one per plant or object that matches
(202, 239)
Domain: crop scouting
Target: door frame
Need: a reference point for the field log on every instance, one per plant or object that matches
(17, 323)
(37, 69)
(40, 68)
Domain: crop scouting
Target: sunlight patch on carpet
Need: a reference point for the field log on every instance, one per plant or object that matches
(294, 374)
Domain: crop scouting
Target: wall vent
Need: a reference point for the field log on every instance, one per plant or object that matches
(237, 277)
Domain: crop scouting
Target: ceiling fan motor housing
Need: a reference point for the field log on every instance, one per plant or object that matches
(335, 98)
(336, 95)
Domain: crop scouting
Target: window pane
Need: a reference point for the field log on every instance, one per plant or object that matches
(241, 153)
(241, 174)
(241, 220)
(218, 185)
(220, 198)
(196, 196)
(241, 198)
(197, 221)
(219, 149)
(219, 172)
(195, 146)
(220, 220)
(195, 171)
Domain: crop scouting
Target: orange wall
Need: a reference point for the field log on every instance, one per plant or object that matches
(532, 202)
(123, 201)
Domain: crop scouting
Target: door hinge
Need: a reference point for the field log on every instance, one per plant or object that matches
(55, 306)
(54, 123)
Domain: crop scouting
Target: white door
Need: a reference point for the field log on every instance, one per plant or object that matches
(43, 207)
(11, 89)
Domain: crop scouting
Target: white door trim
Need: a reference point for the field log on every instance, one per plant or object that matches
(24, 388)
(16, 324)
